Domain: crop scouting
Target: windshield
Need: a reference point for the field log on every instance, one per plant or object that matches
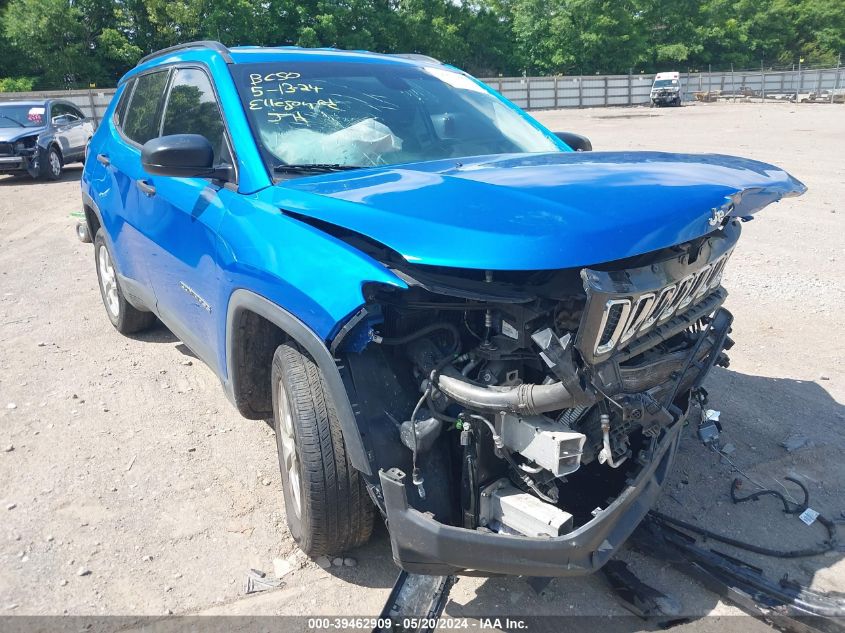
(366, 114)
(666, 83)
(17, 115)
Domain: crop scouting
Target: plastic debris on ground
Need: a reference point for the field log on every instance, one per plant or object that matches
(809, 516)
(257, 581)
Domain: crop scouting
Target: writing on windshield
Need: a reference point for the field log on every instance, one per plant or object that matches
(271, 95)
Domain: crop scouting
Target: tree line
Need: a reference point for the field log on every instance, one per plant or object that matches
(76, 43)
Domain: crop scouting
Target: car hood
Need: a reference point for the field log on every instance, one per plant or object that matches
(537, 211)
(12, 134)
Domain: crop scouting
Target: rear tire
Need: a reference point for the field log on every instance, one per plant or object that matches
(326, 502)
(125, 318)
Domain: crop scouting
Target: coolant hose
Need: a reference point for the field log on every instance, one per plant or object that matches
(528, 399)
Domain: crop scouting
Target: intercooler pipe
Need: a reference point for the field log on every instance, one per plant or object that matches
(523, 399)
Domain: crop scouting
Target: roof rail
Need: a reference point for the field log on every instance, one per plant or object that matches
(417, 57)
(211, 44)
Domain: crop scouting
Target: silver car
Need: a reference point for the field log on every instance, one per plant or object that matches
(41, 137)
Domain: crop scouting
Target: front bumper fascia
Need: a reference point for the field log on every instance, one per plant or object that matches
(12, 163)
(665, 97)
(18, 163)
(422, 545)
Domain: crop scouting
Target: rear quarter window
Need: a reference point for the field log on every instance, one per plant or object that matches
(141, 120)
(120, 109)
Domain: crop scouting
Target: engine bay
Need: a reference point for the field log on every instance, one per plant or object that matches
(522, 403)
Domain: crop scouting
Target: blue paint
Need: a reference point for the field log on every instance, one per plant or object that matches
(532, 212)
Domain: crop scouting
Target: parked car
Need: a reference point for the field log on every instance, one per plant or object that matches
(454, 320)
(40, 137)
(666, 89)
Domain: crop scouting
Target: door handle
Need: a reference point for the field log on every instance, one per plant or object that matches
(104, 159)
(146, 188)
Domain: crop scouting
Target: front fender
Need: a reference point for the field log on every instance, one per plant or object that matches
(311, 274)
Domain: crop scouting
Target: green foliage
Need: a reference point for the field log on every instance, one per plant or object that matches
(68, 43)
(16, 84)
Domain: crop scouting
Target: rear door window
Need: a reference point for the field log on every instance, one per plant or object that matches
(141, 121)
(192, 109)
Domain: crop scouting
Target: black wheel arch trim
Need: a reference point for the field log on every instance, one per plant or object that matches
(242, 300)
(88, 201)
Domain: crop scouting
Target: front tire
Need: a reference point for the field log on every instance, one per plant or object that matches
(51, 164)
(326, 502)
(125, 318)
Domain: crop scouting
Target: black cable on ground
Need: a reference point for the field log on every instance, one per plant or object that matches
(821, 548)
(789, 507)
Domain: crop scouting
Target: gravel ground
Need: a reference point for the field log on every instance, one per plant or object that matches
(130, 485)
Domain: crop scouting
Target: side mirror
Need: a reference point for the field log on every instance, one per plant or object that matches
(62, 119)
(181, 156)
(575, 141)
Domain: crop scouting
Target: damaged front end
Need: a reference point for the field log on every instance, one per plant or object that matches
(524, 422)
(20, 155)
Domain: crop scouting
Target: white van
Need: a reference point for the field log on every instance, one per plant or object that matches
(666, 89)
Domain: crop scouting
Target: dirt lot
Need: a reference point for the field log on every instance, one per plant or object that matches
(122, 456)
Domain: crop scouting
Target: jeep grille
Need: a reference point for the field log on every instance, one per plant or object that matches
(625, 318)
(625, 303)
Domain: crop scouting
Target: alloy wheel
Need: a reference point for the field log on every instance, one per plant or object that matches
(55, 164)
(290, 460)
(108, 280)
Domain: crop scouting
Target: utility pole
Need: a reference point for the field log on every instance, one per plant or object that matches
(836, 81)
(733, 85)
(762, 83)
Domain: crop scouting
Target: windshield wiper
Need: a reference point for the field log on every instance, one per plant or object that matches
(12, 120)
(316, 168)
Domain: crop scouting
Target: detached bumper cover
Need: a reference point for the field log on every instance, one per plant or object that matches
(422, 545)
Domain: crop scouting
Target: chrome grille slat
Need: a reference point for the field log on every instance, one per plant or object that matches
(716, 277)
(640, 313)
(700, 285)
(663, 300)
(681, 293)
(607, 340)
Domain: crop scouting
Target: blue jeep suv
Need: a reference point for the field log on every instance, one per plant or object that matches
(453, 318)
